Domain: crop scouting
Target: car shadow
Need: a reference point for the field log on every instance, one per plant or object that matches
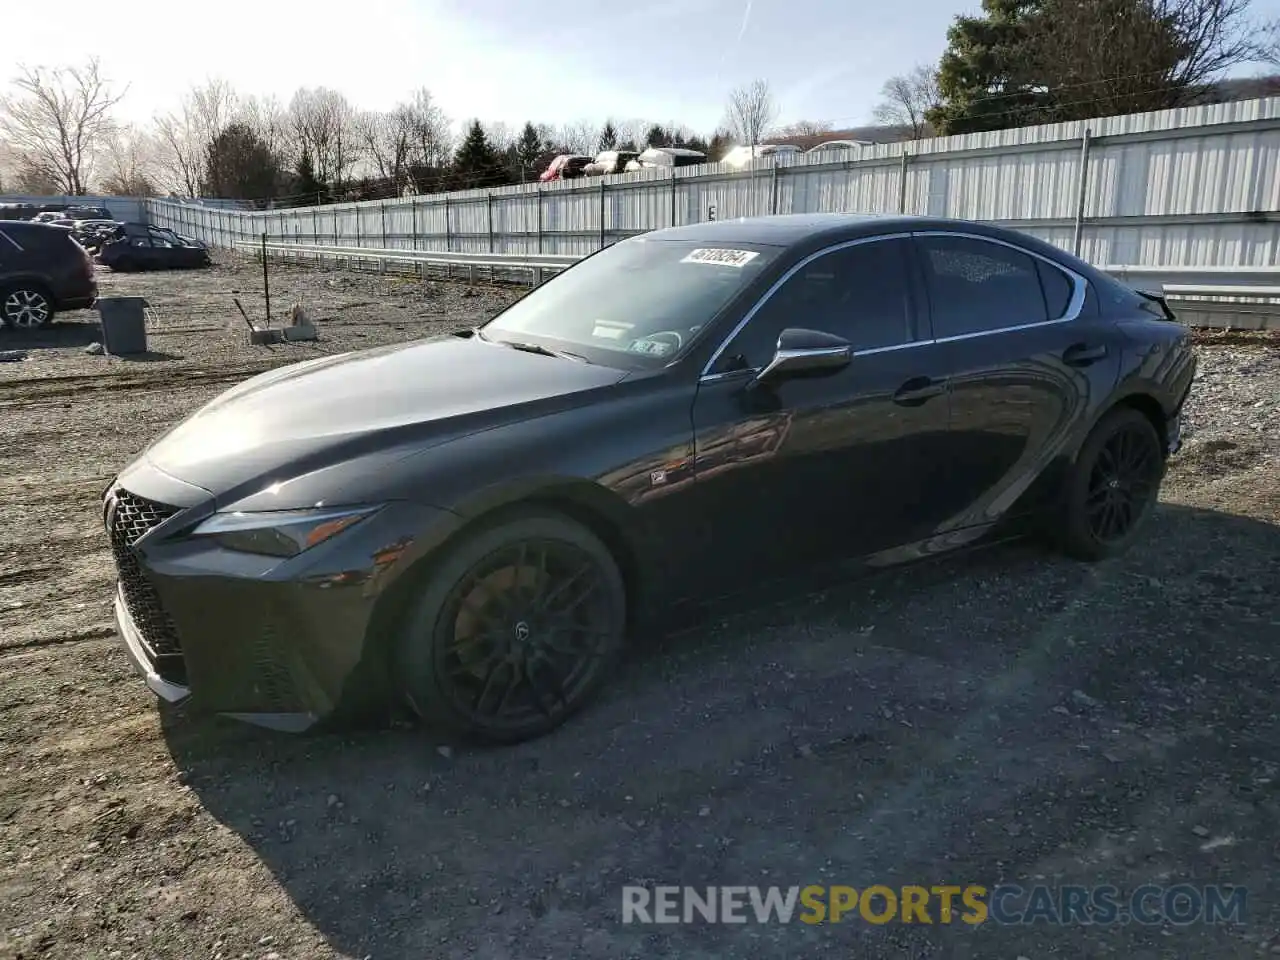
(151, 356)
(58, 334)
(981, 718)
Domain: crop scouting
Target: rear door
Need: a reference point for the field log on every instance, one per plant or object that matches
(1027, 358)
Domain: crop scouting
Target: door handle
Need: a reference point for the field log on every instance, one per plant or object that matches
(918, 390)
(1083, 354)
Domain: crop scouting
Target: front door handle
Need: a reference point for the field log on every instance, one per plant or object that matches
(919, 390)
(1083, 354)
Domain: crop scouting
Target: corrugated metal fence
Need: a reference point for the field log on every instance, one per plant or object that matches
(120, 208)
(1198, 186)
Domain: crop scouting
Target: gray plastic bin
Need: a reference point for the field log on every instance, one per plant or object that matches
(124, 324)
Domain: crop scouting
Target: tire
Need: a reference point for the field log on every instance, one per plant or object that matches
(1111, 488)
(26, 306)
(508, 573)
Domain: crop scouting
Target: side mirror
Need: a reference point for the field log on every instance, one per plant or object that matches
(805, 353)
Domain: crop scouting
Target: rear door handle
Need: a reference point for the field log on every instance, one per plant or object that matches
(918, 390)
(1083, 354)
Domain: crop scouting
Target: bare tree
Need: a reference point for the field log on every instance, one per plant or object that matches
(432, 138)
(325, 125)
(500, 135)
(267, 118)
(578, 137)
(129, 163)
(57, 119)
(388, 141)
(751, 111)
(805, 128)
(907, 98)
(185, 134)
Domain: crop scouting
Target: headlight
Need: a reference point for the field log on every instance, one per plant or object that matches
(279, 533)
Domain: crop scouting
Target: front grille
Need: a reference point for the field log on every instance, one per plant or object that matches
(134, 516)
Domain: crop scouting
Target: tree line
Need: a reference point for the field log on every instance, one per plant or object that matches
(1017, 62)
(317, 147)
(1024, 62)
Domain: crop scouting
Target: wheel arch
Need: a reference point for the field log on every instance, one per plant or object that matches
(1147, 405)
(601, 511)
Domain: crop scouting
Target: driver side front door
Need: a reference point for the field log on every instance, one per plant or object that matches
(837, 465)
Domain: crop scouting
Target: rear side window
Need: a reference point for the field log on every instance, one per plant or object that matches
(1057, 287)
(977, 286)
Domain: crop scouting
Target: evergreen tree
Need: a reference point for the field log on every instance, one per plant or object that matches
(657, 137)
(305, 182)
(477, 163)
(721, 143)
(608, 137)
(239, 163)
(983, 75)
(528, 149)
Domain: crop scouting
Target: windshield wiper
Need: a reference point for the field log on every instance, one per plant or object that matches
(540, 349)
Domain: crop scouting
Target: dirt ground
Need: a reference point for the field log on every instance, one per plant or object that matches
(1003, 717)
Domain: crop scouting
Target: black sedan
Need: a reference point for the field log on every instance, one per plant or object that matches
(474, 523)
(139, 246)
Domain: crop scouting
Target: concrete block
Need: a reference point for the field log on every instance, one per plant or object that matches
(262, 337)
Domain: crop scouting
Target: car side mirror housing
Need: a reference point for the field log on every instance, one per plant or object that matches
(805, 353)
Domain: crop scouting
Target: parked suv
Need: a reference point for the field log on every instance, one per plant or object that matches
(42, 271)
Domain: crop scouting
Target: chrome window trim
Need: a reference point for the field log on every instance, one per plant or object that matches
(1080, 289)
(773, 288)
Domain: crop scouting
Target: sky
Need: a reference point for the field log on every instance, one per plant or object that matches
(506, 61)
(503, 60)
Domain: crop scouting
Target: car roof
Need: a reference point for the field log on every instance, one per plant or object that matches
(805, 229)
(29, 225)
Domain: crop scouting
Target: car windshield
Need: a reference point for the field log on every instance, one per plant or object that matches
(636, 304)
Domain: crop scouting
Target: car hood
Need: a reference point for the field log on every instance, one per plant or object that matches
(294, 419)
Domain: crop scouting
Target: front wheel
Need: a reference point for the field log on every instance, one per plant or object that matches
(25, 307)
(516, 629)
(1112, 487)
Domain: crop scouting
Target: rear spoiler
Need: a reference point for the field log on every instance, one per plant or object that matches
(1159, 301)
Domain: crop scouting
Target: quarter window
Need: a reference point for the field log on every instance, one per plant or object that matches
(976, 286)
(860, 292)
(1057, 287)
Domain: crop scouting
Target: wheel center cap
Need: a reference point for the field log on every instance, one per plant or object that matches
(1114, 484)
(522, 631)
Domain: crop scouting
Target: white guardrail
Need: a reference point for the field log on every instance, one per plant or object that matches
(1236, 297)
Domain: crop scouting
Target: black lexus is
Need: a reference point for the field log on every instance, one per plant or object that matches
(473, 524)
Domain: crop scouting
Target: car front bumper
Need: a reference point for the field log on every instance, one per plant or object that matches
(281, 644)
(140, 657)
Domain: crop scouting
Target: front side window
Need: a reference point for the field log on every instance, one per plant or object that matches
(636, 304)
(859, 292)
(977, 286)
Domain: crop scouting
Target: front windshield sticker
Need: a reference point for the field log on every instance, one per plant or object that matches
(610, 329)
(726, 258)
(652, 348)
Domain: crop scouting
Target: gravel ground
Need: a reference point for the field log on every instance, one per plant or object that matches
(1004, 717)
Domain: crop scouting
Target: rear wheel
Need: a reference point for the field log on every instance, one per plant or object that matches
(25, 307)
(516, 629)
(1112, 487)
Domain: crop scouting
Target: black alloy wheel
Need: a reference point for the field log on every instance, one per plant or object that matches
(516, 630)
(1113, 486)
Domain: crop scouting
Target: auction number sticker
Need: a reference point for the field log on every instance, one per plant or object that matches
(726, 258)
